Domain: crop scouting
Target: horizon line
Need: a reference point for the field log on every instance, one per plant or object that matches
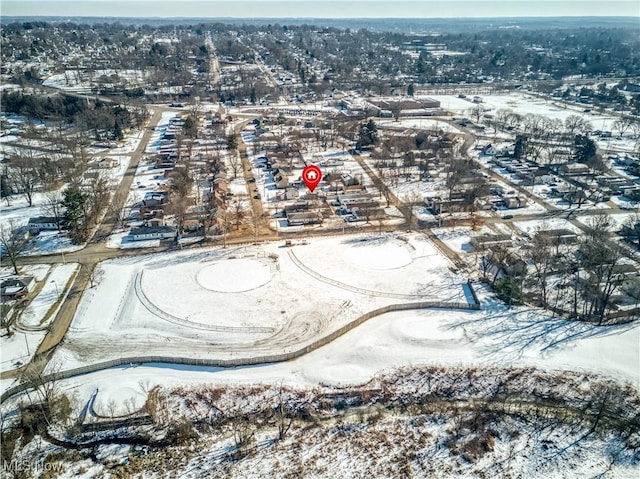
(324, 18)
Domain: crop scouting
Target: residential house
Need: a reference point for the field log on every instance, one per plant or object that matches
(191, 225)
(299, 219)
(489, 150)
(106, 163)
(16, 287)
(44, 223)
(560, 236)
(484, 241)
(281, 179)
(148, 233)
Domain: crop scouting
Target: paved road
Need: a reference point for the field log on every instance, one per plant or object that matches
(96, 250)
(88, 258)
(550, 210)
(410, 218)
(120, 197)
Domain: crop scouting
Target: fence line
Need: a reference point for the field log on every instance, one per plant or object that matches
(348, 287)
(152, 308)
(226, 363)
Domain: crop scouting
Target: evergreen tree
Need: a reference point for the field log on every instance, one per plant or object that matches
(520, 147)
(585, 149)
(74, 200)
(411, 89)
(190, 129)
(232, 141)
(509, 290)
(368, 134)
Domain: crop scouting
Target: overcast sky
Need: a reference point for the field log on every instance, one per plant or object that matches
(321, 8)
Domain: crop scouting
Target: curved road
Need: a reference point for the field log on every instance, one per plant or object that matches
(96, 250)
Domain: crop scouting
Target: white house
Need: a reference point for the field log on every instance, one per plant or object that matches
(44, 223)
(152, 232)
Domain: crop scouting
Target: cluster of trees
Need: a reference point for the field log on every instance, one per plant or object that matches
(544, 140)
(605, 96)
(87, 115)
(181, 184)
(324, 57)
(581, 280)
(367, 135)
(82, 207)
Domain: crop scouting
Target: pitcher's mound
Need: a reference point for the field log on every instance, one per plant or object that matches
(234, 275)
(380, 255)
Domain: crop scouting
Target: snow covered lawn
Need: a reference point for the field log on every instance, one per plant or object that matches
(495, 336)
(52, 291)
(30, 328)
(253, 300)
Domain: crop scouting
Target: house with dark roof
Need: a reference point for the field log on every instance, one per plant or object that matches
(16, 287)
(298, 219)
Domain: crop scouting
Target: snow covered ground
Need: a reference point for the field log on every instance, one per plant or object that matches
(16, 209)
(181, 304)
(74, 80)
(30, 328)
(523, 103)
(52, 291)
(19, 348)
(250, 301)
(458, 239)
(546, 224)
(495, 336)
(419, 123)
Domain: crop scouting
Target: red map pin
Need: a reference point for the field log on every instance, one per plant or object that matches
(311, 176)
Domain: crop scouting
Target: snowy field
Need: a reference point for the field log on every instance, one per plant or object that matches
(418, 123)
(253, 300)
(458, 239)
(73, 80)
(52, 291)
(495, 336)
(241, 302)
(524, 104)
(30, 328)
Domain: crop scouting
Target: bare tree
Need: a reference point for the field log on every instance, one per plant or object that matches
(540, 253)
(235, 163)
(601, 261)
(622, 124)
(210, 215)
(238, 212)
(94, 275)
(52, 207)
(224, 220)
(13, 241)
(51, 404)
(498, 258)
(284, 414)
(243, 433)
(23, 175)
(411, 200)
(577, 125)
(178, 207)
(477, 111)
